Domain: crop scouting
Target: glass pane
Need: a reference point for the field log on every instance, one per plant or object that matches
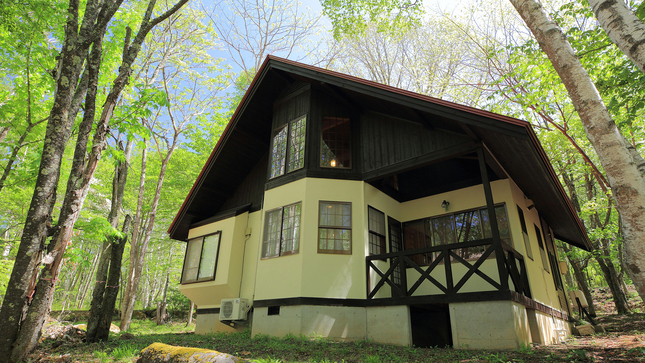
(468, 226)
(443, 231)
(271, 242)
(209, 256)
(297, 144)
(278, 153)
(191, 265)
(502, 222)
(335, 214)
(336, 143)
(376, 221)
(290, 228)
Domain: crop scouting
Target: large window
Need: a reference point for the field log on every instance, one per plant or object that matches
(335, 228)
(336, 146)
(201, 258)
(288, 150)
(281, 231)
(376, 225)
(525, 233)
(545, 262)
(458, 227)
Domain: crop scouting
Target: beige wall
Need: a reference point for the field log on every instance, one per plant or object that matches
(237, 253)
(241, 272)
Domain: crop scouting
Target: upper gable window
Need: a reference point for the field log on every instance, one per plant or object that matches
(288, 151)
(336, 150)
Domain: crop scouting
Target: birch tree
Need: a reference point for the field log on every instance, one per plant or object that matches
(624, 166)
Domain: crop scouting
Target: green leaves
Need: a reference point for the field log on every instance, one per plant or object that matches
(351, 17)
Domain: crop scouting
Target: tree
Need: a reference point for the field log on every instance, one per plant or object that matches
(253, 29)
(624, 166)
(81, 48)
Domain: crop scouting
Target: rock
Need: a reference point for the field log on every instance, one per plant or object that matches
(114, 329)
(126, 336)
(599, 329)
(586, 329)
(162, 353)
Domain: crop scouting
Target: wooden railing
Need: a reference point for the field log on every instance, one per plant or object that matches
(401, 261)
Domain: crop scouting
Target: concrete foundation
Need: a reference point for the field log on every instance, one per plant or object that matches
(389, 324)
(209, 323)
(489, 325)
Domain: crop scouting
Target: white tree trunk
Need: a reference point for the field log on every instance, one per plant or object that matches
(623, 27)
(625, 168)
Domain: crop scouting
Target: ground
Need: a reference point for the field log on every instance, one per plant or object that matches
(624, 341)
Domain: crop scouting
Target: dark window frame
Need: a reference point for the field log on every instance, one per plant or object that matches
(287, 154)
(428, 234)
(201, 255)
(543, 254)
(383, 238)
(323, 143)
(525, 234)
(264, 233)
(321, 226)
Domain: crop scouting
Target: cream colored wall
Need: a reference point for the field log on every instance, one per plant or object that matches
(237, 253)
(540, 282)
(309, 273)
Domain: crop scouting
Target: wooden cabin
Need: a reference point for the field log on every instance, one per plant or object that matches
(339, 207)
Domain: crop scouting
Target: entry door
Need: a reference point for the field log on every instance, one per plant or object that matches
(396, 245)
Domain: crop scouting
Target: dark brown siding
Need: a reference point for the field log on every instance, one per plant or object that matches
(387, 141)
(251, 190)
(293, 104)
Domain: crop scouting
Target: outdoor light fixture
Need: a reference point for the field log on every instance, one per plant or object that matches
(445, 204)
(333, 162)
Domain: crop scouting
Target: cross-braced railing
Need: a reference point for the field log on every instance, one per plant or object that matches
(450, 255)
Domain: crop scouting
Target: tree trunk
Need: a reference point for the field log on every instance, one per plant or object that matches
(190, 313)
(580, 279)
(625, 168)
(137, 261)
(623, 27)
(118, 188)
(127, 306)
(112, 288)
(161, 317)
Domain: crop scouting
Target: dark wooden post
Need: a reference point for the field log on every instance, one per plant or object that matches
(492, 217)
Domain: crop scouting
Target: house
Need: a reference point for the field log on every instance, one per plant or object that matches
(344, 208)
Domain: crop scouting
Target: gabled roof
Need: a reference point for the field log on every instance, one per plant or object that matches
(245, 141)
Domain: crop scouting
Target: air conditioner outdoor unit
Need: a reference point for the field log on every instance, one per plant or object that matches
(233, 309)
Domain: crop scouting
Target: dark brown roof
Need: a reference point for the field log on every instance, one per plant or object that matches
(512, 141)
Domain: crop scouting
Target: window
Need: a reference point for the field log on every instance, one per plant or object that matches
(336, 146)
(376, 226)
(281, 231)
(458, 227)
(335, 228)
(525, 233)
(201, 258)
(288, 151)
(545, 262)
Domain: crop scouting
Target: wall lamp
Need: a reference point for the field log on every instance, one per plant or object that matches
(445, 205)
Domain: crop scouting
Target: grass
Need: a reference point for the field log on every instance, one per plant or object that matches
(292, 348)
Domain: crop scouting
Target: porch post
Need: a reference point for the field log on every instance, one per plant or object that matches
(492, 217)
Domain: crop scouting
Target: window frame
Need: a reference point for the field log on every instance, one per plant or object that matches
(335, 252)
(288, 144)
(280, 252)
(322, 143)
(371, 232)
(201, 255)
(542, 247)
(429, 231)
(525, 233)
